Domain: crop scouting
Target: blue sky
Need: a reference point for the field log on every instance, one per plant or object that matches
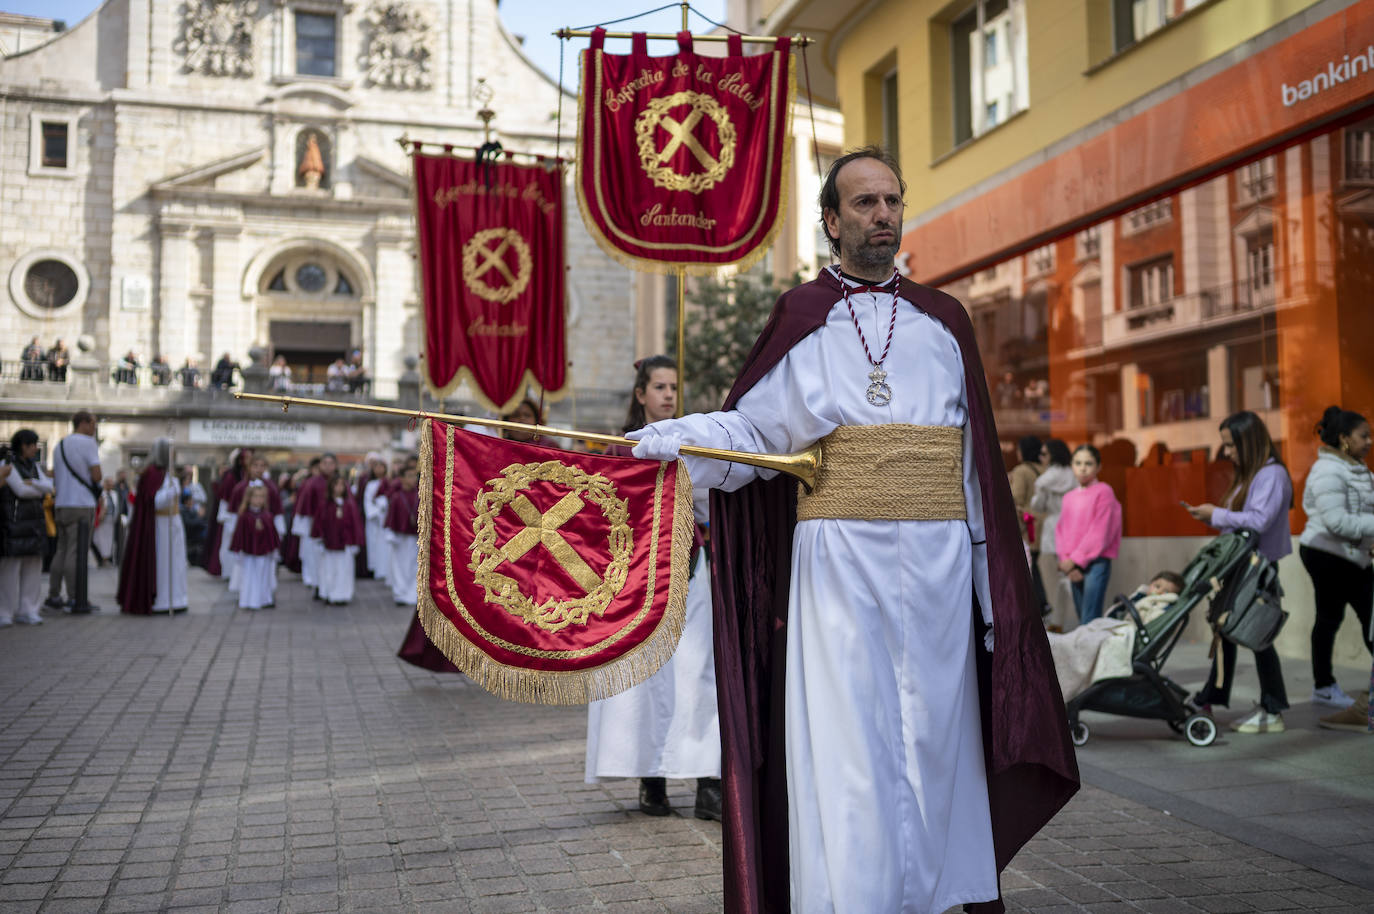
(534, 19)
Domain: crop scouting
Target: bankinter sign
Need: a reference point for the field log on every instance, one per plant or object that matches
(1335, 73)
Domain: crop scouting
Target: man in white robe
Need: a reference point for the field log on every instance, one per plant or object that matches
(886, 787)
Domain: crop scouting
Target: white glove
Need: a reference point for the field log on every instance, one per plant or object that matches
(654, 443)
(987, 640)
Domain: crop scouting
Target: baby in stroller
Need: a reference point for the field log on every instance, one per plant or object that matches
(1102, 649)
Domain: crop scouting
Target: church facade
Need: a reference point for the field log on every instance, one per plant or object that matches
(194, 178)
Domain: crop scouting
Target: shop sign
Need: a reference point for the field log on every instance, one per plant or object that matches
(255, 433)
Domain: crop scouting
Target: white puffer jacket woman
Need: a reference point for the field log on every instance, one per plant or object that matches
(1335, 545)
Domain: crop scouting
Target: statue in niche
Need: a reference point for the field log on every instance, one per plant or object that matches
(217, 36)
(310, 169)
(399, 47)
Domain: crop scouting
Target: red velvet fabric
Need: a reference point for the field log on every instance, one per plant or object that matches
(138, 572)
(681, 159)
(255, 533)
(338, 524)
(1032, 771)
(491, 260)
(479, 465)
(402, 511)
(419, 651)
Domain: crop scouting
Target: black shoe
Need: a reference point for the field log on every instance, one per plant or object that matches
(85, 610)
(653, 797)
(708, 799)
(55, 603)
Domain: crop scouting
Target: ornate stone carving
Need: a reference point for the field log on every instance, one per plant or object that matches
(399, 46)
(217, 36)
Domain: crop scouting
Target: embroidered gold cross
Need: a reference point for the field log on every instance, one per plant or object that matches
(544, 528)
(493, 258)
(683, 135)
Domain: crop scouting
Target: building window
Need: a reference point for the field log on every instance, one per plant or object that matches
(988, 52)
(1152, 283)
(1040, 261)
(1359, 152)
(47, 283)
(1133, 20)
(54, 152)
(1255, 181)
(891, 116)
(316, 44)
(1259, 265)
(1088, 243)
(1148, 216)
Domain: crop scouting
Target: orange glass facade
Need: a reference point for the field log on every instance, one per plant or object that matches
(1251, 288)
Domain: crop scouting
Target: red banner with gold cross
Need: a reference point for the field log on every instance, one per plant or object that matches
(682, 160)
(550, 576)
(491, 264)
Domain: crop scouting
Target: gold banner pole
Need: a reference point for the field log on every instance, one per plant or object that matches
(681, 338)
(802, 465)
(797, 40)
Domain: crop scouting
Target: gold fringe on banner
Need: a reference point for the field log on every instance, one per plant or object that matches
(464, 376)
(693, 268)
(539, 686)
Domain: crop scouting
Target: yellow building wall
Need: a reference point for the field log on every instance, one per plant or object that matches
(1065, 39)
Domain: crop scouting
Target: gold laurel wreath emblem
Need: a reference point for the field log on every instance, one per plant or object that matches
(682, 133)
(551, 615)
(493, 259)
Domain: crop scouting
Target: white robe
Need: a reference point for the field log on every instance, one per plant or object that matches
(336, 573)
(404, 550)
(309, 554)
(257, 580)
(667, 726)
(228, 559)
(374, 529)
(886, 784)
(103, 536)
(170, 540)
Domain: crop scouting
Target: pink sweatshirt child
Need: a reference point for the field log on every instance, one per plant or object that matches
(1090, 526)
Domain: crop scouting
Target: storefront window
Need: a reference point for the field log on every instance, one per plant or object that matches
(1139, 334)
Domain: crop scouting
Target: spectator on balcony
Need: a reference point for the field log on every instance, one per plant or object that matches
(58, 360)
(127, 370)
(222, 378)
(356, 373)
(32, 362)
(161, 371)
(190, 373)
(279, 374)
(336, 378)
(1008, 391)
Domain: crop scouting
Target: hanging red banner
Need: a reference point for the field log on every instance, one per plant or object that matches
(491, 262)
(550, 576)
(682, 160)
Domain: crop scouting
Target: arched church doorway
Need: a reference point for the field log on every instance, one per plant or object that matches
(310, 307)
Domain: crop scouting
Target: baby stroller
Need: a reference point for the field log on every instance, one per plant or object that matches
(1147, 692)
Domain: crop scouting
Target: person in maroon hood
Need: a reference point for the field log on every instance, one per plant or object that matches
(255, 543)
(309, 501)
(338, 528)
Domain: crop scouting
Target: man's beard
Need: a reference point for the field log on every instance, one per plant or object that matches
(874, 256)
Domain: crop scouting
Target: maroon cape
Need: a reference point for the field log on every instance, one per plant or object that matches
(273, 496)
(338, 524)
(255, 533)
(310, 496)
(403, 511)
(1031, 767)
(417, 649)
(224, 491)
(138, 573)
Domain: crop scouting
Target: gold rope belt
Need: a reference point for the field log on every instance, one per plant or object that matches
(888, 472)
(168, 512)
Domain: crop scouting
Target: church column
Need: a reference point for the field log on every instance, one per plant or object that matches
(229, 313)
(396, 287)
(174, 286)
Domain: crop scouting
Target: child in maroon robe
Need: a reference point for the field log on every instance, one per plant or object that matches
(402, 524)
(339, 528)
(255, 544)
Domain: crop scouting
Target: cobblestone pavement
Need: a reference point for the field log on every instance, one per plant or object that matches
(285, 761)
